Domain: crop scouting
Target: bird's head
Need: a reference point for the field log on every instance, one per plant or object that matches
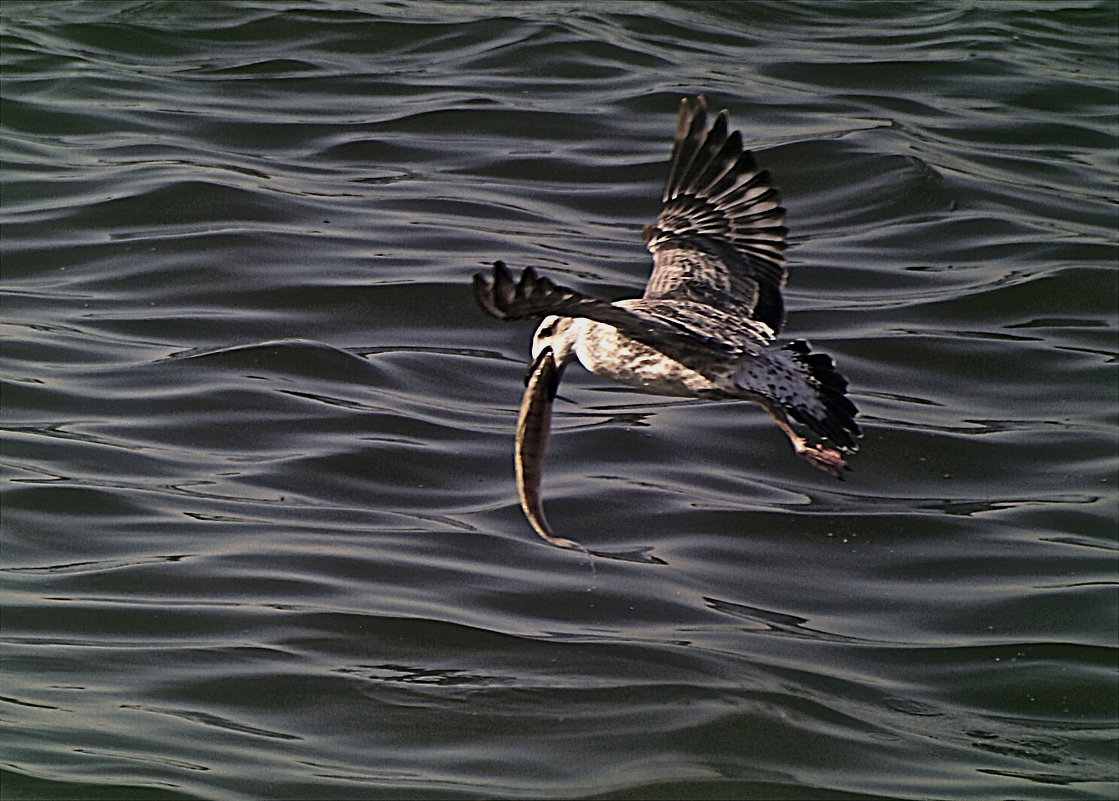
(559, 334)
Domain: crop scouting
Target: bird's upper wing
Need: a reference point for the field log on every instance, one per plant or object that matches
(720, 237)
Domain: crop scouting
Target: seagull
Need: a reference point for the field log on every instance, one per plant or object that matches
(706, 324)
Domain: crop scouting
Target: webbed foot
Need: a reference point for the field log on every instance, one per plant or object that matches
(826, 459)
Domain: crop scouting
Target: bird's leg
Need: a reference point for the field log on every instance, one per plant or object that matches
(826, 459)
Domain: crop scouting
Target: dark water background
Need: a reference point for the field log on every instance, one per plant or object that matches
(260, 532)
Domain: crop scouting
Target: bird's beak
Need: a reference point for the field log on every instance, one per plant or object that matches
(533, 426)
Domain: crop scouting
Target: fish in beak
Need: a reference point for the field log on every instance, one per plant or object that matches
(534, 423)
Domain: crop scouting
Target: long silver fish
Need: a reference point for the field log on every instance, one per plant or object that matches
(533, 426)
(706, 324)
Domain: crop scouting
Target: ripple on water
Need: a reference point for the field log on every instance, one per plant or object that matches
(258, 509)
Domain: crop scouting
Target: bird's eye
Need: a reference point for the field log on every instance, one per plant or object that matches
(547, 330)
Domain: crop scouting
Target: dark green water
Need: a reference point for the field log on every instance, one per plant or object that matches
(260, 532)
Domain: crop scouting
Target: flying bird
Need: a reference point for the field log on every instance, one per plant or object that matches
(706, 324)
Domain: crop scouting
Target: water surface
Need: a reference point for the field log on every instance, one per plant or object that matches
(260, 533)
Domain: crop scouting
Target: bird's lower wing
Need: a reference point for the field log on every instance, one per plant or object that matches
(533, 297)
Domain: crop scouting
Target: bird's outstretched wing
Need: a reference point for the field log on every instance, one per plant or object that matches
(533, 297)
(720, 236)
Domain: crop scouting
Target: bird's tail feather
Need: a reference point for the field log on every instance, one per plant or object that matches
(838, 421)
(807, 386)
